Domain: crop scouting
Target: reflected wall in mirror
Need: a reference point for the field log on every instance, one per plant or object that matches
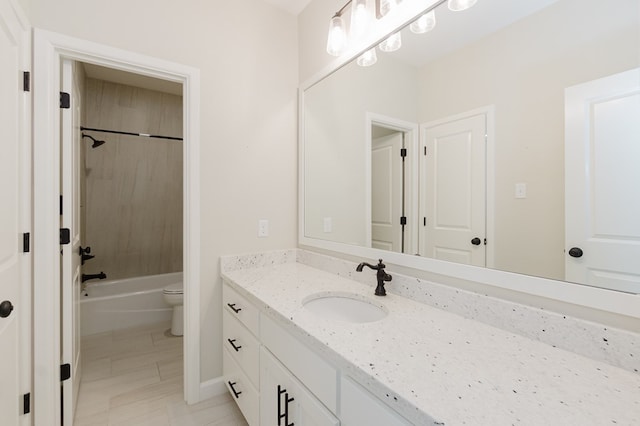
(504, 65)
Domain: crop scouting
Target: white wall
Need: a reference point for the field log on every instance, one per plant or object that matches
(336, 144)
(246, 51)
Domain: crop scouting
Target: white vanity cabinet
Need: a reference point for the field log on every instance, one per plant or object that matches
(241, 353)
(277, 380)
(284, 400)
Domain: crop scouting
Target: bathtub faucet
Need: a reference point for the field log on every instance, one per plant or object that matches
(87, 277)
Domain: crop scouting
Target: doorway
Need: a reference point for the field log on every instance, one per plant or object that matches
(50, 50)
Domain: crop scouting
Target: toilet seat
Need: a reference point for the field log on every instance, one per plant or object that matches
(175, 288)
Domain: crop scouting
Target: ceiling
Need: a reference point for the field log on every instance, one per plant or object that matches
(292, 6)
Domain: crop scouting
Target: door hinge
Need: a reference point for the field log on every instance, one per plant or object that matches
(26, 403)
(403, 152)
(424, 221)
(403, 220)
(65, 372)
(26, 81)
(61, 205)
(65, 100)
(425, 150)
(26, 240)
(65, 236)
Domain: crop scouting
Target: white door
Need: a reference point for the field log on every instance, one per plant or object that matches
(453, 190)
(386, 192)
(11, 307)
(602, 182)
(70, 267)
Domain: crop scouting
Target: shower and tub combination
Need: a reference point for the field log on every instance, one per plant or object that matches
(108, 305)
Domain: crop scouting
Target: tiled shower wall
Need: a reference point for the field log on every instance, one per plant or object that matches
(133, 211)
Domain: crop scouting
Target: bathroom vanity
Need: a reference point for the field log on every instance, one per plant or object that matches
(287, 362)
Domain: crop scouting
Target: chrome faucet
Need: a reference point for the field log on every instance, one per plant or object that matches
(381, 275)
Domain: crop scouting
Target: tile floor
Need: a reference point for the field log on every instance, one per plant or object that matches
(134, 377)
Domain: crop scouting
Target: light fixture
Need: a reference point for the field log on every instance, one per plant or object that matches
(391, 43)
(424, 24)
(360, 18)
(368, 58)
(458, 5)
(337, 40)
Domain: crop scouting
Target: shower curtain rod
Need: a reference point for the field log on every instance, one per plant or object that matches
(146, 135)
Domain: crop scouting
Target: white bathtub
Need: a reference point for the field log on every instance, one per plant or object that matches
(130, 302)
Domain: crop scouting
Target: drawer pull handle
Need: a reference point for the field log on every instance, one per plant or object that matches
(286, 410)
(287, 400)
(235, 392)
(231, 342)
(233, 307)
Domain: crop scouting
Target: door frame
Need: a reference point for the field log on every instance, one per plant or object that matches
(490, 187)
(411, 188)
(49, 48)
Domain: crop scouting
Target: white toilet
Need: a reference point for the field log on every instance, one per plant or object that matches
(173, 296)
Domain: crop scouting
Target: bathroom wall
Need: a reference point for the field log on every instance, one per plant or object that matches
(246, 51)
(133, 220)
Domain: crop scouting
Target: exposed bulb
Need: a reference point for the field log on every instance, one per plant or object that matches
(424, 24)
(368, 58)
(359, 18)
(387, 6)
(458, 5)
(337, 40)
(391, 43)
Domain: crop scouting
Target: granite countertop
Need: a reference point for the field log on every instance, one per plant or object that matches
(435, 367)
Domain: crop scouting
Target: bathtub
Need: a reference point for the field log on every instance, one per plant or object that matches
(124, 303)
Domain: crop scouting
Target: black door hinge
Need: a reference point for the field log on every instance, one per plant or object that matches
(26, 403)
(403, 152)
(65, 236)
(65, 372)
(61, 205)
(403, 220)
(65, 100)
(425, 150)
(26, 81)
(26, 240)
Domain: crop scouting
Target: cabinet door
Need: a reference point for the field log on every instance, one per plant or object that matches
(284, 401)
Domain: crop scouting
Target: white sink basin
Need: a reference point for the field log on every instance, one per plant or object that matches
(344, 307)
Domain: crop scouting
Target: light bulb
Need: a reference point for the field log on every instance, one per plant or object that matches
(391, 43)
(387, 6)
(424, 23)
(359, 18)
(368, 58)
(458, 5)
(337, 40)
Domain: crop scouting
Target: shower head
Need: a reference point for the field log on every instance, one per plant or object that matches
(96, 143)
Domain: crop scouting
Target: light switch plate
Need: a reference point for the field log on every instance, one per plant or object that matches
(521, 190)
(263, 228)
(328, 225)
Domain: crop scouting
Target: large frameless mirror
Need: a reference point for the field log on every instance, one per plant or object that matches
(462, 145)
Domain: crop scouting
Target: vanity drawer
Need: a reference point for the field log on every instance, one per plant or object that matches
(241, 389)
(317, 375)
(240, 308)
(243, 347)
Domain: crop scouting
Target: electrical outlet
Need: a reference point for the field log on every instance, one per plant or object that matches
(263, 228)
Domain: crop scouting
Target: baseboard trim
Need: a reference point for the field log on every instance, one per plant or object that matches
(211, 388)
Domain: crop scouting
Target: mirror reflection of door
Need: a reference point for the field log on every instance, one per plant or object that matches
(387, 189)
(452, 190)
(602, 149)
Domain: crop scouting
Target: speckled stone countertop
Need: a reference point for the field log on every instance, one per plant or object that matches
(438, 368)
